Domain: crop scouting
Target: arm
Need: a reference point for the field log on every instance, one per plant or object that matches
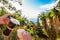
(29, 36)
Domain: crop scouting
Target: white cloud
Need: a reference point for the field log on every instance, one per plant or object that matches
(48, 6)
(30, 12)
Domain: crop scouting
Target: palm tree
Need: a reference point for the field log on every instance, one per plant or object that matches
(50, 31)
(57, 17)
(39, 29)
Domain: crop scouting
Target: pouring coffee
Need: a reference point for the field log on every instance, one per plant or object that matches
(12, 24)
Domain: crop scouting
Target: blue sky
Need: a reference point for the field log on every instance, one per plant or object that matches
(31, 8)
(38, 2)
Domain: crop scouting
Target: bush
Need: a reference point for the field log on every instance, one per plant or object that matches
(1, 36)
(13, 35)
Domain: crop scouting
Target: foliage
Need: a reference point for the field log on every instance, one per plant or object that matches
(2, 11)
(9, 5)
(13, 35)
(50, 14)
(1, 36)
(2, 27)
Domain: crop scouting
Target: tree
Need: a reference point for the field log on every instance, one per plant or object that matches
(9, 6)
(3, 11)
(58, 5)
(49, 28)
(40, 33)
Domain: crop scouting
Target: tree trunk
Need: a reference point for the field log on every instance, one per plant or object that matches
(38, 24)
(52, 34)
(50, 31)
